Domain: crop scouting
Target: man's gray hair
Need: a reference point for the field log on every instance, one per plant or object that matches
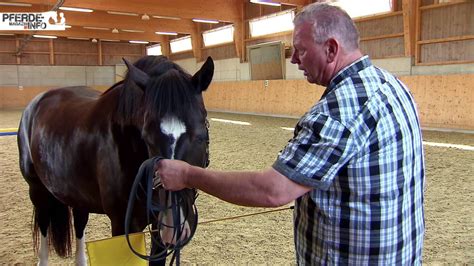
(330, 22)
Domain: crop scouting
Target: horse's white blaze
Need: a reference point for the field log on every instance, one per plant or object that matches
(173, 127)
(81, 259)
(43, 251)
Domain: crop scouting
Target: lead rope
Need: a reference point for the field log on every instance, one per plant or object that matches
(207, 160)
(146, 171)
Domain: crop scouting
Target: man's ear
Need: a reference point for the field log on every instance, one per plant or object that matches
(332, 49)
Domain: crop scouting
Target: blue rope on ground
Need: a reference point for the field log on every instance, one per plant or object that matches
(8, 133)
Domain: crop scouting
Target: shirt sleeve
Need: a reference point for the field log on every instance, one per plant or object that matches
(320, 148)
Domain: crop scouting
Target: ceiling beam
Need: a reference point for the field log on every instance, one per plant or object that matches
(84, 33)
(222, 10)
(103, 19)
(239, 33)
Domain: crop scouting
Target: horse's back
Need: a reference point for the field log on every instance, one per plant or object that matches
(60, 102)
(55, 140)
(61, 97)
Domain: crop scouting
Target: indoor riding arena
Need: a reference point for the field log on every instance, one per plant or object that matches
(253, 104)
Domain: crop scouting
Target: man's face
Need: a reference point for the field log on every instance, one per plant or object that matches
(308, 55)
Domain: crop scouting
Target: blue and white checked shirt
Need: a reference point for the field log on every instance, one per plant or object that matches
(360, 148)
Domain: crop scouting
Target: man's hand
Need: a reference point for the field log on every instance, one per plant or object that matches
(172, 174)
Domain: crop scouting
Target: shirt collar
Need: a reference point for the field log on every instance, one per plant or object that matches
(348, 71)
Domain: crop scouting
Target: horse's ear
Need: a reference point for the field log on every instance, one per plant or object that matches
(136, 74)
(203, 77)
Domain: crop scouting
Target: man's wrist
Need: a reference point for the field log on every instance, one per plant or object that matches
(189, 175)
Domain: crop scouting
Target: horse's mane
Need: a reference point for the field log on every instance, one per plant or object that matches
(169, 91)
(145, 64)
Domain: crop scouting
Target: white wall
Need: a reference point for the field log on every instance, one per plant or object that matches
(189, 65)
(225, 70)
(25, 75)
(443, 69)
(401, 66)
(233, 70)
(9, 75)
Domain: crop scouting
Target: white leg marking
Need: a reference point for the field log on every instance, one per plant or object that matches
(174, 128)
(81, 251)
(43, 252)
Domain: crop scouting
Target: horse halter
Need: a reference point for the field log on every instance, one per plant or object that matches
(207, 159)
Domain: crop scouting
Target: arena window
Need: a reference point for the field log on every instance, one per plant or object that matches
(181, 44)
(274, 23)
(219, 35)
(154, 49)
(363, 8)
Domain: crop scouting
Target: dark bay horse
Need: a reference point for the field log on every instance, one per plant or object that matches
(80, 150)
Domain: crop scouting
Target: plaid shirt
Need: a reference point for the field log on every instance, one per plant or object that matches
(360, 148)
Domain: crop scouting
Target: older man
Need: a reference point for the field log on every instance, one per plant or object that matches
(355, 165)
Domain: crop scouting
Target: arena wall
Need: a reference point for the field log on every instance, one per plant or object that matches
(444, 101)
(444, 94)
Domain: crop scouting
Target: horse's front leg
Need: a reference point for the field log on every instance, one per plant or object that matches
(80, 222)
(43, 252)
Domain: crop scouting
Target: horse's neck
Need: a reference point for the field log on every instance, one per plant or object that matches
(119, 107)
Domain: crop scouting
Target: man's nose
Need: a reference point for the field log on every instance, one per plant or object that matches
(294, 58)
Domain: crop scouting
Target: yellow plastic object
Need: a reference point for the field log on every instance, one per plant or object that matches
(115, 251)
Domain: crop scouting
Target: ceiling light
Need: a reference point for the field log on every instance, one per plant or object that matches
(95, 28)
(14, 4)
(115, 30)
(44, 36)
(68, 26)
(145, 17)
(137, 31)
(205, 20)
(141, 42)
(166, 33)
(94, 40)
(265, 2)
(77, 9)
(123, 13)
(166, 17)
(78, 38)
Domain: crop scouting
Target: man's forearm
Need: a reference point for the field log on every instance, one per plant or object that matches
(241, 188)
(256, 189)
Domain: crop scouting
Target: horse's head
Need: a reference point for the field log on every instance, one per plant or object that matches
(169, 112)
(173, 123)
